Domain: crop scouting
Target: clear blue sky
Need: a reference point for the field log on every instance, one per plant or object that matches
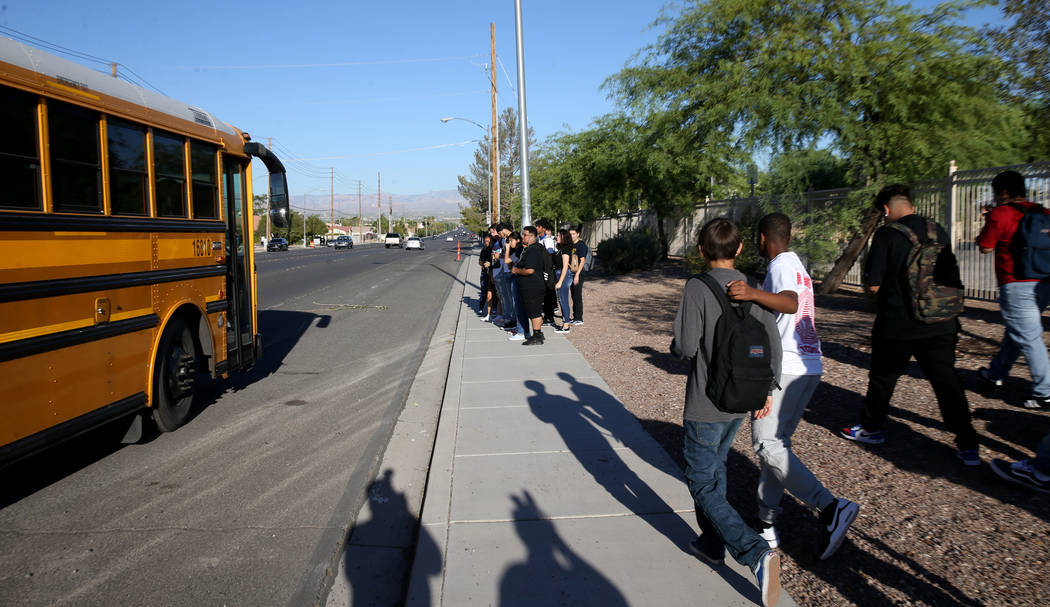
(361, 85)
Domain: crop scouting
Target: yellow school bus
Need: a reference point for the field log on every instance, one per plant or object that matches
(126, 259)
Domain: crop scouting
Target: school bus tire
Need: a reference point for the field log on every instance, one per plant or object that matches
(174, 376)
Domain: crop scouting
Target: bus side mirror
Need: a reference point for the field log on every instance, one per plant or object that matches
(279, 200)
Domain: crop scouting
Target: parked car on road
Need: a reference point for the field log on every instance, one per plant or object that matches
(449, 239)
(277, 244)
(414, 242)
(343, 242)
(393, 239)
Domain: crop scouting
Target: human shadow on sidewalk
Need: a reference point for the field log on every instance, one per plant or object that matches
(552, 573)
(573, 421)
(381, 552)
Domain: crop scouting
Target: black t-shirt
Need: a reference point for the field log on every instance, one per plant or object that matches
(532, 259)
(887, 269)
(485, 255)
(581, 250)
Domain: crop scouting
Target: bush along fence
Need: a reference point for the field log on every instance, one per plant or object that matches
(821, 229)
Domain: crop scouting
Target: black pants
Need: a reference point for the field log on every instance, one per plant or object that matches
(550, 297)
(936, 357)
(576, 291)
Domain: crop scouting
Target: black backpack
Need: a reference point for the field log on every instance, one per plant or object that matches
(549, 279)
(740, 369)
(1032, 242)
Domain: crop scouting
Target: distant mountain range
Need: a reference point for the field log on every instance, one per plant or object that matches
(441, 205)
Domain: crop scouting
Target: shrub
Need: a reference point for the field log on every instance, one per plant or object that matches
(749, 261)
(628, 251)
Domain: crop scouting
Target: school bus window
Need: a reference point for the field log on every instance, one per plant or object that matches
(127, 168)
(169, 165)
(205, 185)
(76, 174)
(19, 154)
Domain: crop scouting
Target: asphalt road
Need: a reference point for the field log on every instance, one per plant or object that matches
(246, 503)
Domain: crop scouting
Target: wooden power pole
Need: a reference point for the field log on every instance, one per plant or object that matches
(360, 219)
(494, 151)
(379, 202)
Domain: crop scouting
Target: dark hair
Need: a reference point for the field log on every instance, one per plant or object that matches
(544, 223)
(530, 230)
(775, 227)
(486, 235)
(564, 237)
(1010, 182)
(719, 239)
(515, 235)
(889, 193)
(576, 228)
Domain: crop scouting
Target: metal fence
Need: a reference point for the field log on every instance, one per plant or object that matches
(956, 202)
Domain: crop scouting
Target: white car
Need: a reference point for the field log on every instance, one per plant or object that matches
(449, 239)
(414, 242)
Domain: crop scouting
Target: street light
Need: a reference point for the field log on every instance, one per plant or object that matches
(488, 211)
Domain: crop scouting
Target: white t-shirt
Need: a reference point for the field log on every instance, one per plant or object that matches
(549, 243)
(798, 332)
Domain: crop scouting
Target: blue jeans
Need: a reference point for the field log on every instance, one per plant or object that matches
(706, 447)
(1022, 305)
(506, 301)
(563, 296)
(519, 308)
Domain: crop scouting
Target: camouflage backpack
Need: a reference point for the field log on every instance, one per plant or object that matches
(930, 302)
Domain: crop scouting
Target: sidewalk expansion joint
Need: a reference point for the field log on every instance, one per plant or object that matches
(577, 451)
(566, 517)
(545, 355)
(524, 379)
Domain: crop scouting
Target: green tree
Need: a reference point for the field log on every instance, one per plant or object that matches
(1026, 45)
(895, 92)
(260, 204)
(474, 187)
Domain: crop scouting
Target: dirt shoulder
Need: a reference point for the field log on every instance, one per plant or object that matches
(929, 532)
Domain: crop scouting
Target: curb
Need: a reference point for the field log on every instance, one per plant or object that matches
(395, 499)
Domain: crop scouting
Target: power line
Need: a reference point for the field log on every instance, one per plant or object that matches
(57, 48)
(340, 64)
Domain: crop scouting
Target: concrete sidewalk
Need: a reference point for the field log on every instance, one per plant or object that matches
(544, 490)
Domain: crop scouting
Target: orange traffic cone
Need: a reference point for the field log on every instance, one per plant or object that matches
(457, 250)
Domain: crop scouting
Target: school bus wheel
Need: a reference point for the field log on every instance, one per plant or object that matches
(174, 377)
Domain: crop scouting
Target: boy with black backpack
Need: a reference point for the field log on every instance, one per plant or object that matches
(736, 354)
(1018, 232)
(901, 275)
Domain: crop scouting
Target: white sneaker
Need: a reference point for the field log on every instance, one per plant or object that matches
(770, 535)
(517, 336)
(485, 318)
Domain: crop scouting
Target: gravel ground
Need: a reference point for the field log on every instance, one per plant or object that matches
(929, 532)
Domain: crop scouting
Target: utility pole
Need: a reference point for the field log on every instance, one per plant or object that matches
(304, 221)
(390, 217)
(523, 123)
(331, 228)
(494, 151)
(269, 229)
(379, 202)
(360, 219)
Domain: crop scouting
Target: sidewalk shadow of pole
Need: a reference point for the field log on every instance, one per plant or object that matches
(552, 574)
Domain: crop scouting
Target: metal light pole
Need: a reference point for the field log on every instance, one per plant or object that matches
(523, 122)
(488, 211)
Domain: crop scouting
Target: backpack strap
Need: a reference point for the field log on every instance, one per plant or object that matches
(908, 232)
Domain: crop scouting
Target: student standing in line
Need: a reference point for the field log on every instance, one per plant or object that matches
(898, 335)
(1022, 299)
(709, 429)
(529, 271)
(545, 238)
(564, 273)
(788, 291)
(485, 261)
(512, 256)
(576, 290)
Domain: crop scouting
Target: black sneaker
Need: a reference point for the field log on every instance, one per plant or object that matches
(986, 378)
(714, 561)
(1022, 473)
(1038, 403)
(510, 325)
(561, 328)
(835, 521)
(535, 340)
